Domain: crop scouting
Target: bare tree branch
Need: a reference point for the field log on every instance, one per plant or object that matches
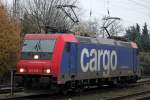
(43, 13)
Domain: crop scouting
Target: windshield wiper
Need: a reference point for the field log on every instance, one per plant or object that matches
(38, 46)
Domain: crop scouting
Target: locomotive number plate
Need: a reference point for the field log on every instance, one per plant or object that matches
(34, 71)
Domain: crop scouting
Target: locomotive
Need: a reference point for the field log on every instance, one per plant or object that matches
(69, 62)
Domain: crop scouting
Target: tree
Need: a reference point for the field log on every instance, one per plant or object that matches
(88, 28)
(133, 33)
(9, 41)
(142, 38)
(145, 39)
(44, 15)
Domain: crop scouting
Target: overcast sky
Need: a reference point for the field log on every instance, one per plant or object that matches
(130, 11)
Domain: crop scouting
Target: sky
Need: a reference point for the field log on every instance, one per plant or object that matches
(130, 11)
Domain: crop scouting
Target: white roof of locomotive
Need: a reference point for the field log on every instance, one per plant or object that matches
(99, 40)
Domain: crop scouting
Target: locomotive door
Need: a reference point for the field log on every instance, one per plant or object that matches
(73, 60)
(134, 61)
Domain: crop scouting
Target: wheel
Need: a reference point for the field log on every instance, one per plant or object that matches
(63, 89)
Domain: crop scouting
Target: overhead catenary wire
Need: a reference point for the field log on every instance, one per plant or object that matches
(139, 4)
(128, 8)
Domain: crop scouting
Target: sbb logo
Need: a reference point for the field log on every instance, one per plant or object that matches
(95, 60)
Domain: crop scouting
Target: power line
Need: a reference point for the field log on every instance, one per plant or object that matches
(145, 3)
(139, 4)
(129, 9)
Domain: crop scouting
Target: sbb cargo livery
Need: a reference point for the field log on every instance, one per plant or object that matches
(69, 61)
(109, 60)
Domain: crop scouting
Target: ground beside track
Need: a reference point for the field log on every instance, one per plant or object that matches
(89, 94)
(92, 94)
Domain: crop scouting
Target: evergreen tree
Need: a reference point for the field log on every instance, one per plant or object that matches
(138, 36)
(145, 39)
(133, 34)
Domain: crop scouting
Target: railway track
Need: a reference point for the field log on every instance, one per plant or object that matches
(24, 95)
(8, 89)
(2, 86)
(143, 95)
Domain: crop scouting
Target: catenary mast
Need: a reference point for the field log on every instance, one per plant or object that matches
(16, 8)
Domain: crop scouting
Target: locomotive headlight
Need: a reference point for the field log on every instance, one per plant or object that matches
(48, 71)
(36, 56)
(21, 70)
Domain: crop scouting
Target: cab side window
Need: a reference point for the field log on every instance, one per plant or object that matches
(67, 47)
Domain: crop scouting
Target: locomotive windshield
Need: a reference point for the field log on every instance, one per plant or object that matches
(42, 48)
